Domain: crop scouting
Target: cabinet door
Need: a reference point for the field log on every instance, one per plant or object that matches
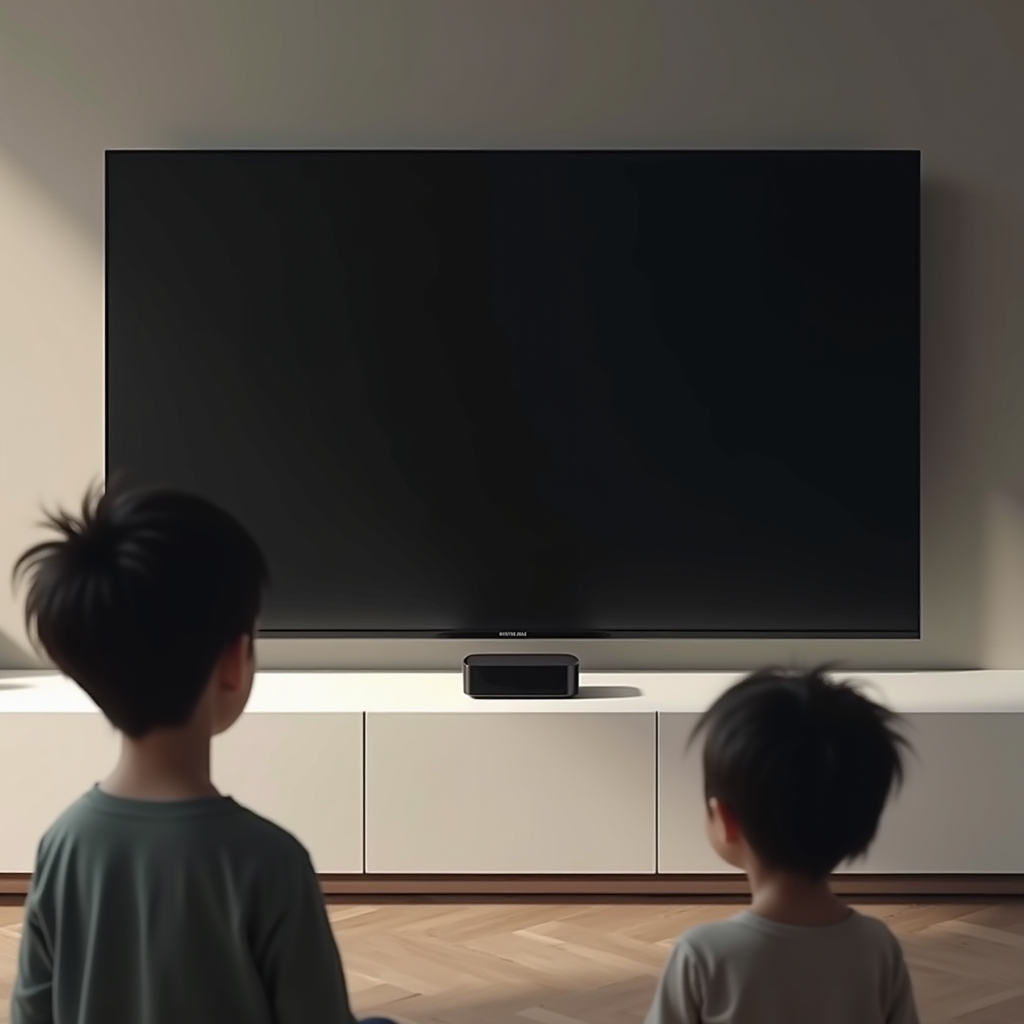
(962, 807)
(961, 810)
(683, 847)
(304, 772)
(47, 761)
(515, 793)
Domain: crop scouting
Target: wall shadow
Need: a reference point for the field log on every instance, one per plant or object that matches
(951, 514)
(606, 692)
(14, 656)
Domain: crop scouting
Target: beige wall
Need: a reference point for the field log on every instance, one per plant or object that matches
(941, 75)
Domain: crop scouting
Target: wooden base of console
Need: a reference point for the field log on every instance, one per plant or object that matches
(710, 888)
(699, 887)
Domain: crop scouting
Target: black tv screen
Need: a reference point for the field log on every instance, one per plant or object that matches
(532, 394)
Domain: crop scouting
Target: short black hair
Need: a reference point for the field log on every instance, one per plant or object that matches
(138, 596)
(805, 764)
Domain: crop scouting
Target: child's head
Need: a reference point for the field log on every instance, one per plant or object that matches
(797, 771)
(149, 601)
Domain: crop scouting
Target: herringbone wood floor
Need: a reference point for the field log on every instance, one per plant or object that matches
(437, 961)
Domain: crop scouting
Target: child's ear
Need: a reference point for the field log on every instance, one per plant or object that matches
(235, 662)
(724, 819)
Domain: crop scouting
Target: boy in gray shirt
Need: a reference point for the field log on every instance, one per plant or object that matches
(155, 899)
(797, 771)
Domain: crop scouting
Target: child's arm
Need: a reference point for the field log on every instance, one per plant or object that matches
(32, 999)
(298, 960)
(676, 999)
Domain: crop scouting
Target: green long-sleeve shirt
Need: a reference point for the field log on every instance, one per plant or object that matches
(165, 913)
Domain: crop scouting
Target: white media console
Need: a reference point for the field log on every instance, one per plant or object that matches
(402, 774)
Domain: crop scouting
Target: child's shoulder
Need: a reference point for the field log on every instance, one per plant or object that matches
(98, 821)
(720, 940)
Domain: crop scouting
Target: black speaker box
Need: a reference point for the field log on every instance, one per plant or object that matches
(521, 676)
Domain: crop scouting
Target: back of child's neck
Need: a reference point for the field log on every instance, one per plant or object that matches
(165, 766)
(791, 900)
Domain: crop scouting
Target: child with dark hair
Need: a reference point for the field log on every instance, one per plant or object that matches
(797, 771)
(156, 900)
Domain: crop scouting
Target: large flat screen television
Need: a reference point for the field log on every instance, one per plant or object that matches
(532, 394)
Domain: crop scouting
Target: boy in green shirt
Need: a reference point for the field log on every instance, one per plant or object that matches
(155, 899)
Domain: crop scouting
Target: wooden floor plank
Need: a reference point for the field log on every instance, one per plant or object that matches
(513, 961)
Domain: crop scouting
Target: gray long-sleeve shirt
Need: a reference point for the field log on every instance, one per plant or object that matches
(159, 913)
(749, 970)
